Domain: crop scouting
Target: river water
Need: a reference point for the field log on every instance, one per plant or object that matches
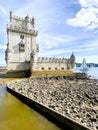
(14, 115)
(92, 71)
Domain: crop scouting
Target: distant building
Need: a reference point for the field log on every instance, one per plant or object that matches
(22, 48)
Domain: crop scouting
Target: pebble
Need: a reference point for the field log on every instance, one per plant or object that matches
(74, 97)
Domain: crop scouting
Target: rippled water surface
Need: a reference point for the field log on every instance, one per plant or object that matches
(93, 71)
(14, 115)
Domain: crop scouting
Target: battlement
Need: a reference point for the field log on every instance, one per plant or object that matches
(23, 25)
(22, 30)
(52, 60)
(26, 19)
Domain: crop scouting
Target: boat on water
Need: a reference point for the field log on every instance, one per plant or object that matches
(84, 67)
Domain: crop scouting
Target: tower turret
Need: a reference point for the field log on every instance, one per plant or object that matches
(72, 60)
(21, 37)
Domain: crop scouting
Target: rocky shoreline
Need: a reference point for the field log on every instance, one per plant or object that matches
(72, 96)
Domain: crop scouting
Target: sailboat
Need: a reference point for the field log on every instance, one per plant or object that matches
(83, 66)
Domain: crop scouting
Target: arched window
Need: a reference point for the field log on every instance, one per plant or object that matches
(62, 68)
(21, 37)
(21, 47)
(42, 68)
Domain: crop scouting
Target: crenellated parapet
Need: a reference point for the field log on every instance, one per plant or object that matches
(51, 60)
(26, 19)
(22, 30)
(22, 25)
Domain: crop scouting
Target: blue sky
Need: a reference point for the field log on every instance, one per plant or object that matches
(64, 26)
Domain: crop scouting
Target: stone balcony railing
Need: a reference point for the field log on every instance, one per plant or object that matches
(22, 30)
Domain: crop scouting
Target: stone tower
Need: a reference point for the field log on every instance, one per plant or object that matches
(22, 50)
(21, 44)
(72, 60)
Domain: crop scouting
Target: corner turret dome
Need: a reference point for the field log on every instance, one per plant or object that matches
(72, 60)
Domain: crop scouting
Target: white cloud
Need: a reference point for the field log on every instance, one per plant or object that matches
(87, 16)
(86, 48)
(49, 44)
(54, 52)
(88, 3)
(2, 60)
(3, 47)
(90, 44)
(55, 40)
(88, 59)
(65, 51)
(45, 14)
(3, 11)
